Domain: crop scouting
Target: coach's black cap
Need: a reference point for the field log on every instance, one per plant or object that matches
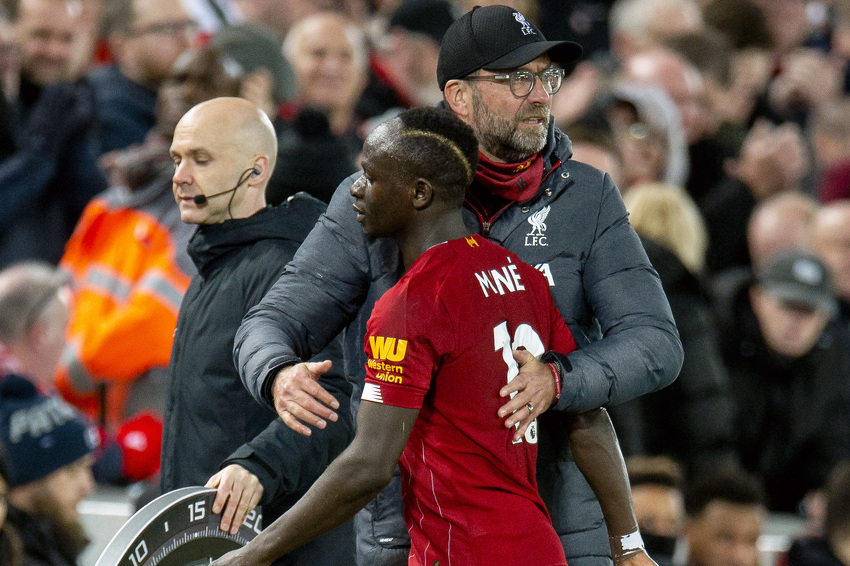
(495, 38)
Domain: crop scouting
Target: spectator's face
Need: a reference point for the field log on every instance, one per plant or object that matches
(508, 127)
(55, 323)
(196, 77)
(68, 486)
(659, 510)
(788, 329)
(379, 203)
(45, 32)
(725, 534)
(162, 30)
(329, 66)
(832, 243)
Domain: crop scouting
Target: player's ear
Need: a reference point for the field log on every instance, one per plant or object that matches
(421, 193)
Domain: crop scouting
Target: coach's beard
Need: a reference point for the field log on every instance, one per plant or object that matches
(502, 138)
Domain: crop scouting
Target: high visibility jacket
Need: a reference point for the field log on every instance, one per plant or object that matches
(128, 260)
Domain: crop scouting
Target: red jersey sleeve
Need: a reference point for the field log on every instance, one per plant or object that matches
(403, 345)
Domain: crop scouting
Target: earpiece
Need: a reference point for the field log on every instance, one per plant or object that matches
(256, 171)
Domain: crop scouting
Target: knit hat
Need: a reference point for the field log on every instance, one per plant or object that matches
(496, 38)
(41, 434)
(801, 278)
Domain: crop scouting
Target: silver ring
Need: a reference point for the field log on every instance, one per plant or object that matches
(530, 408)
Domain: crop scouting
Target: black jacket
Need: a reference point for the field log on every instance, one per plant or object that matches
(792, 415)
(691, 419)
(210, 419)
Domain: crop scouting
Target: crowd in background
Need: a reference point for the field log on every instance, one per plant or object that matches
(724, 123)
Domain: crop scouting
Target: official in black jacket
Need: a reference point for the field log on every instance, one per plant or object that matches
(215, 433)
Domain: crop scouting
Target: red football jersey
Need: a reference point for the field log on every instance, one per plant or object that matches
(440, 340)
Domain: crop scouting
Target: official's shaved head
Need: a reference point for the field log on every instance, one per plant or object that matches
(247, 128)
(224, 146)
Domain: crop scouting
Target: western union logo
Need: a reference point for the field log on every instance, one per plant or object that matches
(387, 348)
(386, 372)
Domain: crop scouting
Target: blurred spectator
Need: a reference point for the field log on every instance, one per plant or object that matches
(829, 134)
(585, 22)
(832, 547)
(787, 23)
(594, 144)
(725, 517)
(280, 15)
(691, 419)
(34, 313)
(48, 444)
(649, 134)
(404, 64)
(728, 103)
(268, 80)
(50, 173)
(665, 69)
(803, 73)
(783, 222)
(310, 157)
(657, 485)
(788, 359)
(11, 548)
(145, 37)
(129, 263)
(328, 53)
(329, 56)
(87, 35)
(50, 449)
(742, 24)
(773, 160)
(832, 245)
(34, 301)
(638, 25)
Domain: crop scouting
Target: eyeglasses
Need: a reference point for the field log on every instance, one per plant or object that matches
(522, 81)
(173, 28)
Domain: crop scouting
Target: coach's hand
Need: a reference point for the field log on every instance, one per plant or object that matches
(238, 492)
(535, 389)
(300, 400)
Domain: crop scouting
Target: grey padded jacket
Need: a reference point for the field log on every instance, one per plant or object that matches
(576, 231)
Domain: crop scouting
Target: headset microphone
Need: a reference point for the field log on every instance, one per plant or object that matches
(201, 200)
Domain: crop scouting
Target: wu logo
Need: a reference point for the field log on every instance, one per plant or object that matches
(538, 228)
(526, 27)
(387, 348)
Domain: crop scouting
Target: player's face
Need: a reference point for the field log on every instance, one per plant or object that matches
(379, 193)
(510, 128)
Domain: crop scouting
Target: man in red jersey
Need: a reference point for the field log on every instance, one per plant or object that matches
(440, 344)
